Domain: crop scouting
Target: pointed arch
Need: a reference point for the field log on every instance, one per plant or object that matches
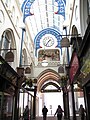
(47, 75)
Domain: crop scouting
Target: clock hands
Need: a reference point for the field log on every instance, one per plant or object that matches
(48, 42)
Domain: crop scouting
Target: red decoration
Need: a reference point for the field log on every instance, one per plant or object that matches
(74, 66)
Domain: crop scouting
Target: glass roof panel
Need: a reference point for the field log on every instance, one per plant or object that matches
(44, 16)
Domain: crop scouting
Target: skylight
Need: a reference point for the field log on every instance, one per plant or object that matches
(45, 16)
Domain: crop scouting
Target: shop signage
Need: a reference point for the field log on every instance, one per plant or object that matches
(86, 64)
(73, 66)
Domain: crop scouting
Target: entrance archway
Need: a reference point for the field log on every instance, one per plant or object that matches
(49, 89)
(48, 77)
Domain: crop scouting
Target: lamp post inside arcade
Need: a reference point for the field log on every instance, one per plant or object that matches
(63, 82)
(34, 100)
(65, 43)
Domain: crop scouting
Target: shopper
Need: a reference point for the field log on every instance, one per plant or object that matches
(59, 113)
(26, 113)
(82, 112)
(44, 112)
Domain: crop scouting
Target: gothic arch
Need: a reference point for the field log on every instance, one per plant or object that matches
(25, 59)
(74, 30)
(47, 75)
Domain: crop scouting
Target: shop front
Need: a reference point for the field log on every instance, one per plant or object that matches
(84, 76)
(8, 85)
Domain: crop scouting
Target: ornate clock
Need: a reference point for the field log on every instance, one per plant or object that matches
(48, 41)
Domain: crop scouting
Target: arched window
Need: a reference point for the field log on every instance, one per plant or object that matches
(13, 12)
(4, 43)
(17, 21)
(2, 17)
(25, 60)
(7, 42)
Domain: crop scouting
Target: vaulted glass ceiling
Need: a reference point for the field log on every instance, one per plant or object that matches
(46, 14)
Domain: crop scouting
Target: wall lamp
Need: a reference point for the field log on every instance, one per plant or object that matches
(65, 42)
(9, 56)
(27, 69)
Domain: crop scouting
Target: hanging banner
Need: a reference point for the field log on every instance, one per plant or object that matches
(73, 66)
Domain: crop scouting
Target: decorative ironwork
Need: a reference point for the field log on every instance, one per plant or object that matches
(64, 81)
(29, 83)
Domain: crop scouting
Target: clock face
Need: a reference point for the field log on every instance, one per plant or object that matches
(48, 41)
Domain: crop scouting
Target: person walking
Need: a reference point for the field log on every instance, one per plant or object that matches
(44, 112)
(82, 112)
(26, 113)
(59, 113)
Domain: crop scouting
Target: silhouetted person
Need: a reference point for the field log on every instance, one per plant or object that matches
(59, 113)
(26, 113)
(82, 112)
(44, 112)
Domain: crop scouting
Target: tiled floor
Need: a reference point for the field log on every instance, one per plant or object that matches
(55, 118)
